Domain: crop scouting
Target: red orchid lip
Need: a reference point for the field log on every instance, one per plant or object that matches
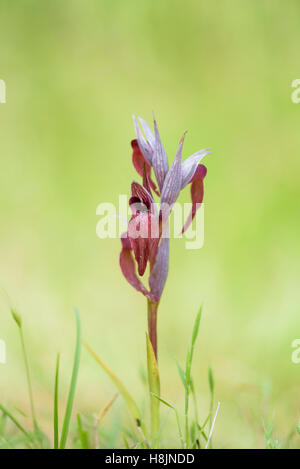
(127, 265)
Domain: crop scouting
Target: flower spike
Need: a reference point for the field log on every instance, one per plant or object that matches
(147, 239)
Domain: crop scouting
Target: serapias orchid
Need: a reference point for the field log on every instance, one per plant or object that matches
(147, 239)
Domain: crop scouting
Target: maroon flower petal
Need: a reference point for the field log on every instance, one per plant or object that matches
(197, 193)
(143, 231)
(140, 192)
(127, 265)
(139, 162)
(138, 235)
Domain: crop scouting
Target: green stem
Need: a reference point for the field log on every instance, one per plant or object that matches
(153, 372)
(28, 380)
(152, 325)
(154, 390)
(56, 435)
(211, 408)
(186, 414)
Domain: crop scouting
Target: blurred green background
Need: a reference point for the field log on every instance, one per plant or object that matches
(75, 72)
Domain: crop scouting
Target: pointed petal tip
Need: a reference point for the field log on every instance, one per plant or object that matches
(183, 137)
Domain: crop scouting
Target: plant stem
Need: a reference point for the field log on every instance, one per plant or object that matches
(186, 418)
(28, 380)
(152, 325)
(154, 390)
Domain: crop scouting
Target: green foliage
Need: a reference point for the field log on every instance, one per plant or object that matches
(197, 435)
(271, 443)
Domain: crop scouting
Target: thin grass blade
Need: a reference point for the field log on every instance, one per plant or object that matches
(16, 423)
(177, 417)
(83, 434)
(56, 435)
(68, 412)
(189, 360)
(133, 408)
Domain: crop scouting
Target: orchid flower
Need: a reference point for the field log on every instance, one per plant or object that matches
(147, 239)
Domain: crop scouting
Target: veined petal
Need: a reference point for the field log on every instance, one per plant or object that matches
(159, 272)
(127, 265)
(148, 132)
(197, 193)
(172, 183)
(189, 166)
(145, 147)
(159, 160)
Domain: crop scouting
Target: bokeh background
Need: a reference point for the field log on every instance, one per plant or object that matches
(75, 72)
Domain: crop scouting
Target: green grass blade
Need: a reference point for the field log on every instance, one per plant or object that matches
(83, 435)
(189, 360)
(191, 349)
(133, 408)
(125, 441)
(195, 403)
(154, 387)
(2, 423)
(5, 444)
(68, 412)
(211, 381)
(17, 318)
(196, 327)
(56, 436)
(181, 373)
(211, 390)
(202, 427)
(16, 423)
(177, 417)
